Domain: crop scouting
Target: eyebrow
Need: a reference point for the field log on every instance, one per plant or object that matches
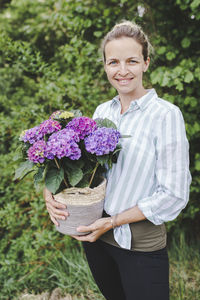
(132, 57)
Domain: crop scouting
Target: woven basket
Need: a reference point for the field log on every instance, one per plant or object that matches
(85, 206)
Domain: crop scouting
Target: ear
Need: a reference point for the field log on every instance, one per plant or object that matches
(146, 64)
(105, 67)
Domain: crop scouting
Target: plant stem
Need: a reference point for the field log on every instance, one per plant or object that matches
(57, 164)
(93, 173)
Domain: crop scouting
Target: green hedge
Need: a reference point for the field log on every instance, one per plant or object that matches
(50, 59)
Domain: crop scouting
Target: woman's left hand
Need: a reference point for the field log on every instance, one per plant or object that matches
(96, 229)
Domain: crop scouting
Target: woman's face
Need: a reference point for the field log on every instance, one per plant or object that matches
(125, 65)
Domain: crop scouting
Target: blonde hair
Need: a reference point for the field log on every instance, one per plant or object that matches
(128, 29)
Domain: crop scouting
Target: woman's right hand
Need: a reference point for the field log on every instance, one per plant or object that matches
(54, 208)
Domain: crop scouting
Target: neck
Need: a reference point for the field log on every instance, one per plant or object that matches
(128, 98)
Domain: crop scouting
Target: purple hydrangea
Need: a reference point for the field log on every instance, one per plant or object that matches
(63, 144)
(36, 152)
(37, 133)
(48, 126)
(102, 141)
(30, 135)
(82, 125)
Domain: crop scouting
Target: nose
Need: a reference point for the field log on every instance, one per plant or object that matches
(123, 70)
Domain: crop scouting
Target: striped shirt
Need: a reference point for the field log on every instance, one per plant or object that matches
(152, 170)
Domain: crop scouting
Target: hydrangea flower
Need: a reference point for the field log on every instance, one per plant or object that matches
(82, 125)
(61, 114)
(37, 133)
(22, 134)
(55, 114)
(36, 152)
(102, 141)
(47, 127)
(30, 135)
(63, 144)
(66, 115)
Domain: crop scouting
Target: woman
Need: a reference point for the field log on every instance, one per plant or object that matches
(149, 185)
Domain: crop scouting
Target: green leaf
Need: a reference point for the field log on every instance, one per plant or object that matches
(178, 84)
(165, 79)
(178, 70)
(115, 154)
(24, 169)
(196, 127)
(98, 33)
(197, 165)
(185, 42)
(161, 50)
(195, 4)
(124, 136)
(170, 55)
(74, 176)
(18, 154)
(103, 159)
(72, 164)
(192, 101)
(157, 75)
(84, 182)
(106, 12)
(38, 176)
(105, 123)
(197, 73)
(188, 77)
(76, 112)
(53, 179)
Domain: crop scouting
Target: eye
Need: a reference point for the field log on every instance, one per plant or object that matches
(132, 61)
(113, 62)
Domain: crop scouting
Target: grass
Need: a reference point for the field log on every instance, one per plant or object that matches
(69, 272)
(184, 269)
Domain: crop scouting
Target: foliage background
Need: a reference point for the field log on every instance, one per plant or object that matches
(49, 60)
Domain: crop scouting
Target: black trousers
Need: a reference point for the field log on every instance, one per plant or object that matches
(128, 275)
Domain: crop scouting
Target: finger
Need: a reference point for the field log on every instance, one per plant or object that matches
(82, 238)
(57, 211)
(48, 196)
(86, 228)
(75, 237)
(57, 216)
(56, 204)
(86, 238)
(54, 220)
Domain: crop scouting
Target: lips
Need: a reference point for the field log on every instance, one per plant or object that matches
(124, 81)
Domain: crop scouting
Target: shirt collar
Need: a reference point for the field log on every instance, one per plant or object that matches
(142, 102)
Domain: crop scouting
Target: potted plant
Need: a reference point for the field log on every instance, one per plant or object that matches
(70, 153)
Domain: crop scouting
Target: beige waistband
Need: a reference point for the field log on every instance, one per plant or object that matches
(145, 236)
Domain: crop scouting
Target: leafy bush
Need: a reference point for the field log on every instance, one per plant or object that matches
(49, 60)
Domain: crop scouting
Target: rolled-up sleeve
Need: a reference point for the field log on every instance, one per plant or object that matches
(171, 172)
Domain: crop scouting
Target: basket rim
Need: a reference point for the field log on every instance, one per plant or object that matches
(82, 196)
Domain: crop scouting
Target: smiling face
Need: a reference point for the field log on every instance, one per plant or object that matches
(124, 66)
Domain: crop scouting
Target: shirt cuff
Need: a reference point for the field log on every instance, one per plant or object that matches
(146, 210)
